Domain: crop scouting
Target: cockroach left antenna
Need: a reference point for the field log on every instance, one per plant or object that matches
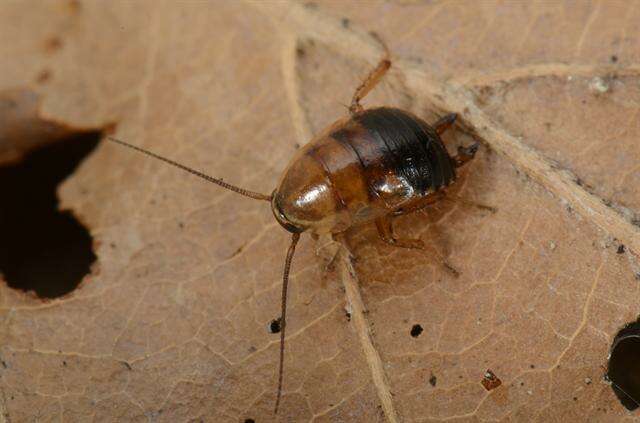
(223, 184)
(283, 318)
(290, 251)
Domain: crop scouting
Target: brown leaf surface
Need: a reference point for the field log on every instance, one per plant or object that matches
(172, 323)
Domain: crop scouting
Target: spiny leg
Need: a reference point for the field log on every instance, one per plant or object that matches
(385, 231)
(470, 203)
(436, 197)
(420, 204)
(370, 81)
(445, 122)
(465, 154)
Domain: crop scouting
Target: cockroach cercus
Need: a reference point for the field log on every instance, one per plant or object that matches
(367, 167)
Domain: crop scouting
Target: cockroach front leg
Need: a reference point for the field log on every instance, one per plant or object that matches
(385, 231)
(369, 83)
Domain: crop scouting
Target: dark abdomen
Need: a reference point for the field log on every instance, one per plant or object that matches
(391, 141)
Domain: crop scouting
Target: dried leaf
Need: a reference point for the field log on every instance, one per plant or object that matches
(173, 322)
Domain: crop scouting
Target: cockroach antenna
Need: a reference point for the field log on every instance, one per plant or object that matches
(283, 318)
(223, 184)
(287, 264)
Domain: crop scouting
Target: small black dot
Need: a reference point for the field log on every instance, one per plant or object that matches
(416, 330)
(620, 249)
(249, 421)
(614, 58)
(533, 366)
(345, 22)
(433, 380)
(274, 326)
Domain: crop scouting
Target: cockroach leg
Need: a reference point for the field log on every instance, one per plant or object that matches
(445, 123)
(385, 231)
(420, 204)
(369, 83)
(471, 203)
(465, 154)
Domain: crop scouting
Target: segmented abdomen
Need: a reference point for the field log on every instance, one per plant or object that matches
(390, 141)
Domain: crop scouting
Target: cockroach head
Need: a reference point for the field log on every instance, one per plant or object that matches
(282, 219)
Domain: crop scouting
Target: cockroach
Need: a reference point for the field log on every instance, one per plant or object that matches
(370, 166)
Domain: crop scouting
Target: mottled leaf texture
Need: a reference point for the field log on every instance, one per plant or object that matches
(173, 322)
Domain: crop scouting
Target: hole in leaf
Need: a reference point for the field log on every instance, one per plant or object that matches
(624, 366)
(43, 249)
(274, 326)
(416, 330)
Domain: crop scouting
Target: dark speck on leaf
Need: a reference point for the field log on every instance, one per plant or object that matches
(274, 326)
(433, 380)
(416, 330)
(621, 249)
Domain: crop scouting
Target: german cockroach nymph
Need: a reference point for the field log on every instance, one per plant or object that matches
(367, 167)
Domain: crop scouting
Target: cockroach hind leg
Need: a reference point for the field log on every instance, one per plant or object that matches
(445, 123)
(369, 83)
(385, 231)
(471, 203)
(465, 154)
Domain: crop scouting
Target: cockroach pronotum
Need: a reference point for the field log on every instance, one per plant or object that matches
(367, 167)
